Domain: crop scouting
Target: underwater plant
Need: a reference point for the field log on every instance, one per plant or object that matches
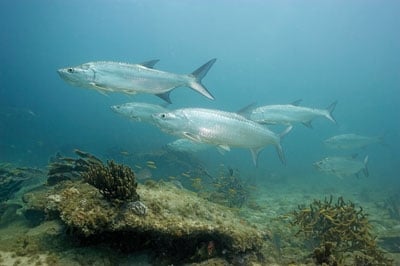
(230, 190)
(392, 204)
(337, 227)
(114, 181)
(66, 168)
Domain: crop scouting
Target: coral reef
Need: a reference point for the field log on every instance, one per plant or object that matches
(345, 228)
(177, 225)
(114, 181)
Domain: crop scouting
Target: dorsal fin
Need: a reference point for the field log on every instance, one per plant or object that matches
(165, 96)
(149, 64)
(297, 102)
(245, 111)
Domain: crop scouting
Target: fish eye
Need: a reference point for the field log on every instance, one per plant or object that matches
(163, 115)
(70, 70)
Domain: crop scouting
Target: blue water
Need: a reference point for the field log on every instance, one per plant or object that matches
(269, 52)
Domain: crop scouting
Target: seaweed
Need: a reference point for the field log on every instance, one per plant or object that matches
(337, 228)
(114, 181)
(66, 168)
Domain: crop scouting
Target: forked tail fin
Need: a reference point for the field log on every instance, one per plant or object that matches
(199, 74)
(329, 111)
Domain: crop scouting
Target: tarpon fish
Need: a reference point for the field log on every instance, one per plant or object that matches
(137, 111)
(342, 166)
(187, 145)
(351, 141)
(287, 114)
(219, 128)
(107, 76)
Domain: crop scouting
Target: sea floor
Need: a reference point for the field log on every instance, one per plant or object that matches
(46, 243)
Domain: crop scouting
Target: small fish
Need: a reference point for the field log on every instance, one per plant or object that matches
(107, 76)
(124, 153)
(342, 166)
(351, 141)
(137, 166)
(186, 174)
(287, 114)
(152, 166)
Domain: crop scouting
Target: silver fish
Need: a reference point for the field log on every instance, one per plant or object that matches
(351, 141)
(187, 145)
(287, 114)
(137, 111)
(107, 76)
(219, 128)
(342, 166)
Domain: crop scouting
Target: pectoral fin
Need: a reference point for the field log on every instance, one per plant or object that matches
(254, 155)
(191, 136)
(224, 147)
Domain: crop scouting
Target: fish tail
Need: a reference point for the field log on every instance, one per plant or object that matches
(278, 146)
(329, 111)
(199, 74)
(365, 170)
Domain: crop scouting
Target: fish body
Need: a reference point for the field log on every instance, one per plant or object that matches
(351, 141)
(108, 76)
(219, 128)
(287, 114)
(342, 166)
(187, 145)
(137, 111)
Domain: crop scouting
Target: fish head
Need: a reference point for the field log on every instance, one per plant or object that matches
(170, 122)
(81, 76)
(127, 110)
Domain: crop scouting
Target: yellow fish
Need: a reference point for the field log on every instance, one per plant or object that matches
(150, 162)
(125, 153)
(186, 174)
(152, 166)
(138, 166)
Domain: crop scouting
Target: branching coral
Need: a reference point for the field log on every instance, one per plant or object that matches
(114, 181)
(341, 224)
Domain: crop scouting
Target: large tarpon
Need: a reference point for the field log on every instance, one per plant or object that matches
(107, 76)
(351, 141)
(138, 111)
(287, 114)
(342, 166)
(223, 129)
